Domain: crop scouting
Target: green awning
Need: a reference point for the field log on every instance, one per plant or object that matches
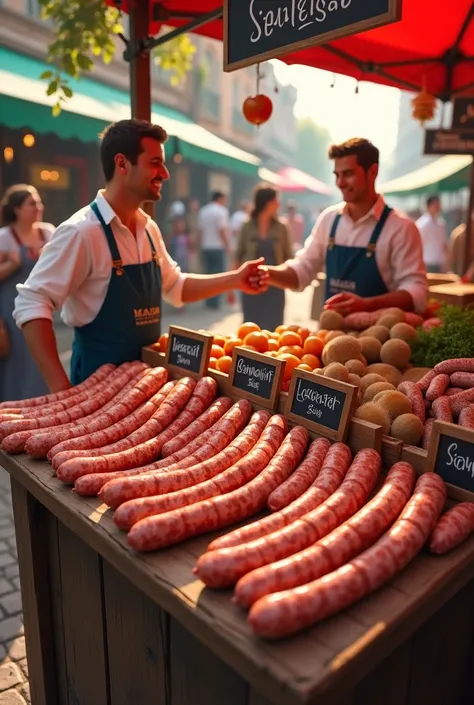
(24, 104)
(448, 173)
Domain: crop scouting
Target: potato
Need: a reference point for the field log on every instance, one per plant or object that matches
(414, 374)
(374, 414)
(394, 403)
(354, 379)
(396, 352)
(387, 372)
(332, 335)
(331, 320)
(342, 349)
(389, 320)
(376, 388)
(404, 332)
(407, 428)
(371, 348)
(336, 370)
(369, 379)
(355, 367)
(380, 332)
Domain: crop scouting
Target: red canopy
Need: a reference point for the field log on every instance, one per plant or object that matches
(432, 44)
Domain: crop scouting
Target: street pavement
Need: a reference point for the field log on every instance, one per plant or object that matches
(14, 688)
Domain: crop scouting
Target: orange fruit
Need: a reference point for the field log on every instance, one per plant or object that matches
(212, 363)
(311, 360)
(268, 333)
(273, 344)
(298, 350)
(163, 342)
(289, 338)
(291, 361)
(217, 351)
(224, 364)
(294, 327)
(303, 333)
(322, 333)
(272, 353)
(281, 329)
(285, 385)
(219, 340)
(275, 336)
(246, 328)
(313, 345)
(231, 344)
(307, 368)
(250, 347)
(286, 350)
(257, 340)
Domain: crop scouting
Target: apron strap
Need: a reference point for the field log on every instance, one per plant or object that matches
(154, 254)
(377, 231)
(114, 251)
(332, 235)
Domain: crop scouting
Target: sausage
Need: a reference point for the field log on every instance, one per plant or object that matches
(451, 391)
(166, 529)
(453, 528)
(415, 396)
(284, 613)
(149, 385)
(349, 498)
(115, 382)
(466, 417)
(334, 467)
(207, 419)
(140, 447)
(442, 409)
(413, 319)
(437, 388)
(346, 541)
(462, 364)
(459, 401)
(302, 478)
(238, 475)
(98, 376)
(426, 380)
(156, 482)
(465, 380)
(425, 441)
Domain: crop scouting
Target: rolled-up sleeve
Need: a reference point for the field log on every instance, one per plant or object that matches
(62, 267)
(409, 271)
(310, 260)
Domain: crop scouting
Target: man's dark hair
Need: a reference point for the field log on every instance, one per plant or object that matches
(367, 153)
(125, 137)
(432, 199)
(217, 195)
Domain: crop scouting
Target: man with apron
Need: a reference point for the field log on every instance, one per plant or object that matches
(106, 267)
(372, 254)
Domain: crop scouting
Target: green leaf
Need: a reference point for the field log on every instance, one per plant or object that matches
(84, 62)
(52, 88)
(56, 109)
(45, 75)
(67, 91)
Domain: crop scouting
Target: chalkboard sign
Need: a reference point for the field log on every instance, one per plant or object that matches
(451, 455)
(321, 404)
(188, 351)
(449, 142)
(256, 377)
(463, 113)
(258, 30)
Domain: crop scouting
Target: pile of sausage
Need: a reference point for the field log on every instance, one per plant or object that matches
(175, 461)
(446, 393)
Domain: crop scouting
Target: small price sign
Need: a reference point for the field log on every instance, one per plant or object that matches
(451, 455)
(257, 377)
(323, 405)
(188, 351)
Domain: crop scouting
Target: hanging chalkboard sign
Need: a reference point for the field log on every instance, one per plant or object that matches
(188, 351)
(451, 455)
(321, 404)
(257, 377)
(258, 30)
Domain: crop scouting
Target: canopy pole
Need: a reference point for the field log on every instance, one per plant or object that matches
(140, 73)
(469, 218)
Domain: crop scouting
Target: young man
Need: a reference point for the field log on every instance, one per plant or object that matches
(213, 224)
(434, 238)
(107, 266)
(372, 254)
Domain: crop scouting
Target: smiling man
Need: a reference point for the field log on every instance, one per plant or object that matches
(372, 254)
(107, 267)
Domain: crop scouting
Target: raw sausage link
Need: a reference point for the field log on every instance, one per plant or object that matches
(98, 376)
(334, 467)
(302, 478)
(234, 477)
(148, 443)
(442, 409)
(426, 380)
(437, 387)
(465, 380)
(451, 391)
(91, 484)
(207, 419)
(158, 482)
(40, 444)
(286, 612)
(462, 364)
(348, 540)
(453, 528)
(415, 396)
(235, 562)
(170, 528)
(425, 441)
(466, 417)
(459, 401)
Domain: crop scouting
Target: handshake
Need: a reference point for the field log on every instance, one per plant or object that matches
(253, 277)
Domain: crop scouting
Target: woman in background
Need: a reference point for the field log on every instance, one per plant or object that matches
(22, 237)
(264, 235)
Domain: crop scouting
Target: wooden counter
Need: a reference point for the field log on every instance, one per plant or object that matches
(105, 626)
(453, 294)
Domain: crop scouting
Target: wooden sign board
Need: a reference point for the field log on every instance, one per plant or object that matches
(451, 455)
(258, 30)
(256, 377)
(463, 113)
(189, 351)
(323, 405)
(449, 142)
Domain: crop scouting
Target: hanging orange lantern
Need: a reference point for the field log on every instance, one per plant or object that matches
(424, 106)
(257, 109)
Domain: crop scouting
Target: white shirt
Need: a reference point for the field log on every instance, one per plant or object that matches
(211, 219)
(398, 254)
(74, 269)
(434, 239)
(10, 246)
(236, 222)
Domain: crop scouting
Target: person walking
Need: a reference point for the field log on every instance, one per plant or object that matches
(213, 224)
(434, 239)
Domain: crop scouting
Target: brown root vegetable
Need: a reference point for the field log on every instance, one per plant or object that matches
(374, 414)
(395, 352)
(331, 320)
(376, 388)
(355, 367)
(368, 380)
(370, 348)
(388, 372)
(389, 320)
(395, 403)
(407, 428)
(341, 349)
(336, 370)
(380, 332)
(404, 332)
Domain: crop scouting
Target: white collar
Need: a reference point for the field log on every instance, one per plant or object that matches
(108, 213)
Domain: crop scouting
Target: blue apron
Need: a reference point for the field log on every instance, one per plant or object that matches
(354, 269)
(129, 317)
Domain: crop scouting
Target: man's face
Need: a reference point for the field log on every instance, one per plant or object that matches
(145, 178)
(434, 208)
(352, 179)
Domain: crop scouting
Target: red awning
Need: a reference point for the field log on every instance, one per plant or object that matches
(297, 180)
(404, 54)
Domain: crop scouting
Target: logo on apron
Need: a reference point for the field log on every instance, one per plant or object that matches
(146, 316)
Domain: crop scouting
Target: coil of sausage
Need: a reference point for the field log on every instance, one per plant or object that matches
(453, 528)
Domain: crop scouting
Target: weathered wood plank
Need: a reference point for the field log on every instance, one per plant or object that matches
(57, 626)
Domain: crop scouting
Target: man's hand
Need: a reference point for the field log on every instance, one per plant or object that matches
(345, 304)
(252, 277)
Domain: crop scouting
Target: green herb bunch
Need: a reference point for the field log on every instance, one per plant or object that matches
(454, 339)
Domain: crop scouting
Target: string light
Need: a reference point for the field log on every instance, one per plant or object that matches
(29, 140)
(8, 154)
